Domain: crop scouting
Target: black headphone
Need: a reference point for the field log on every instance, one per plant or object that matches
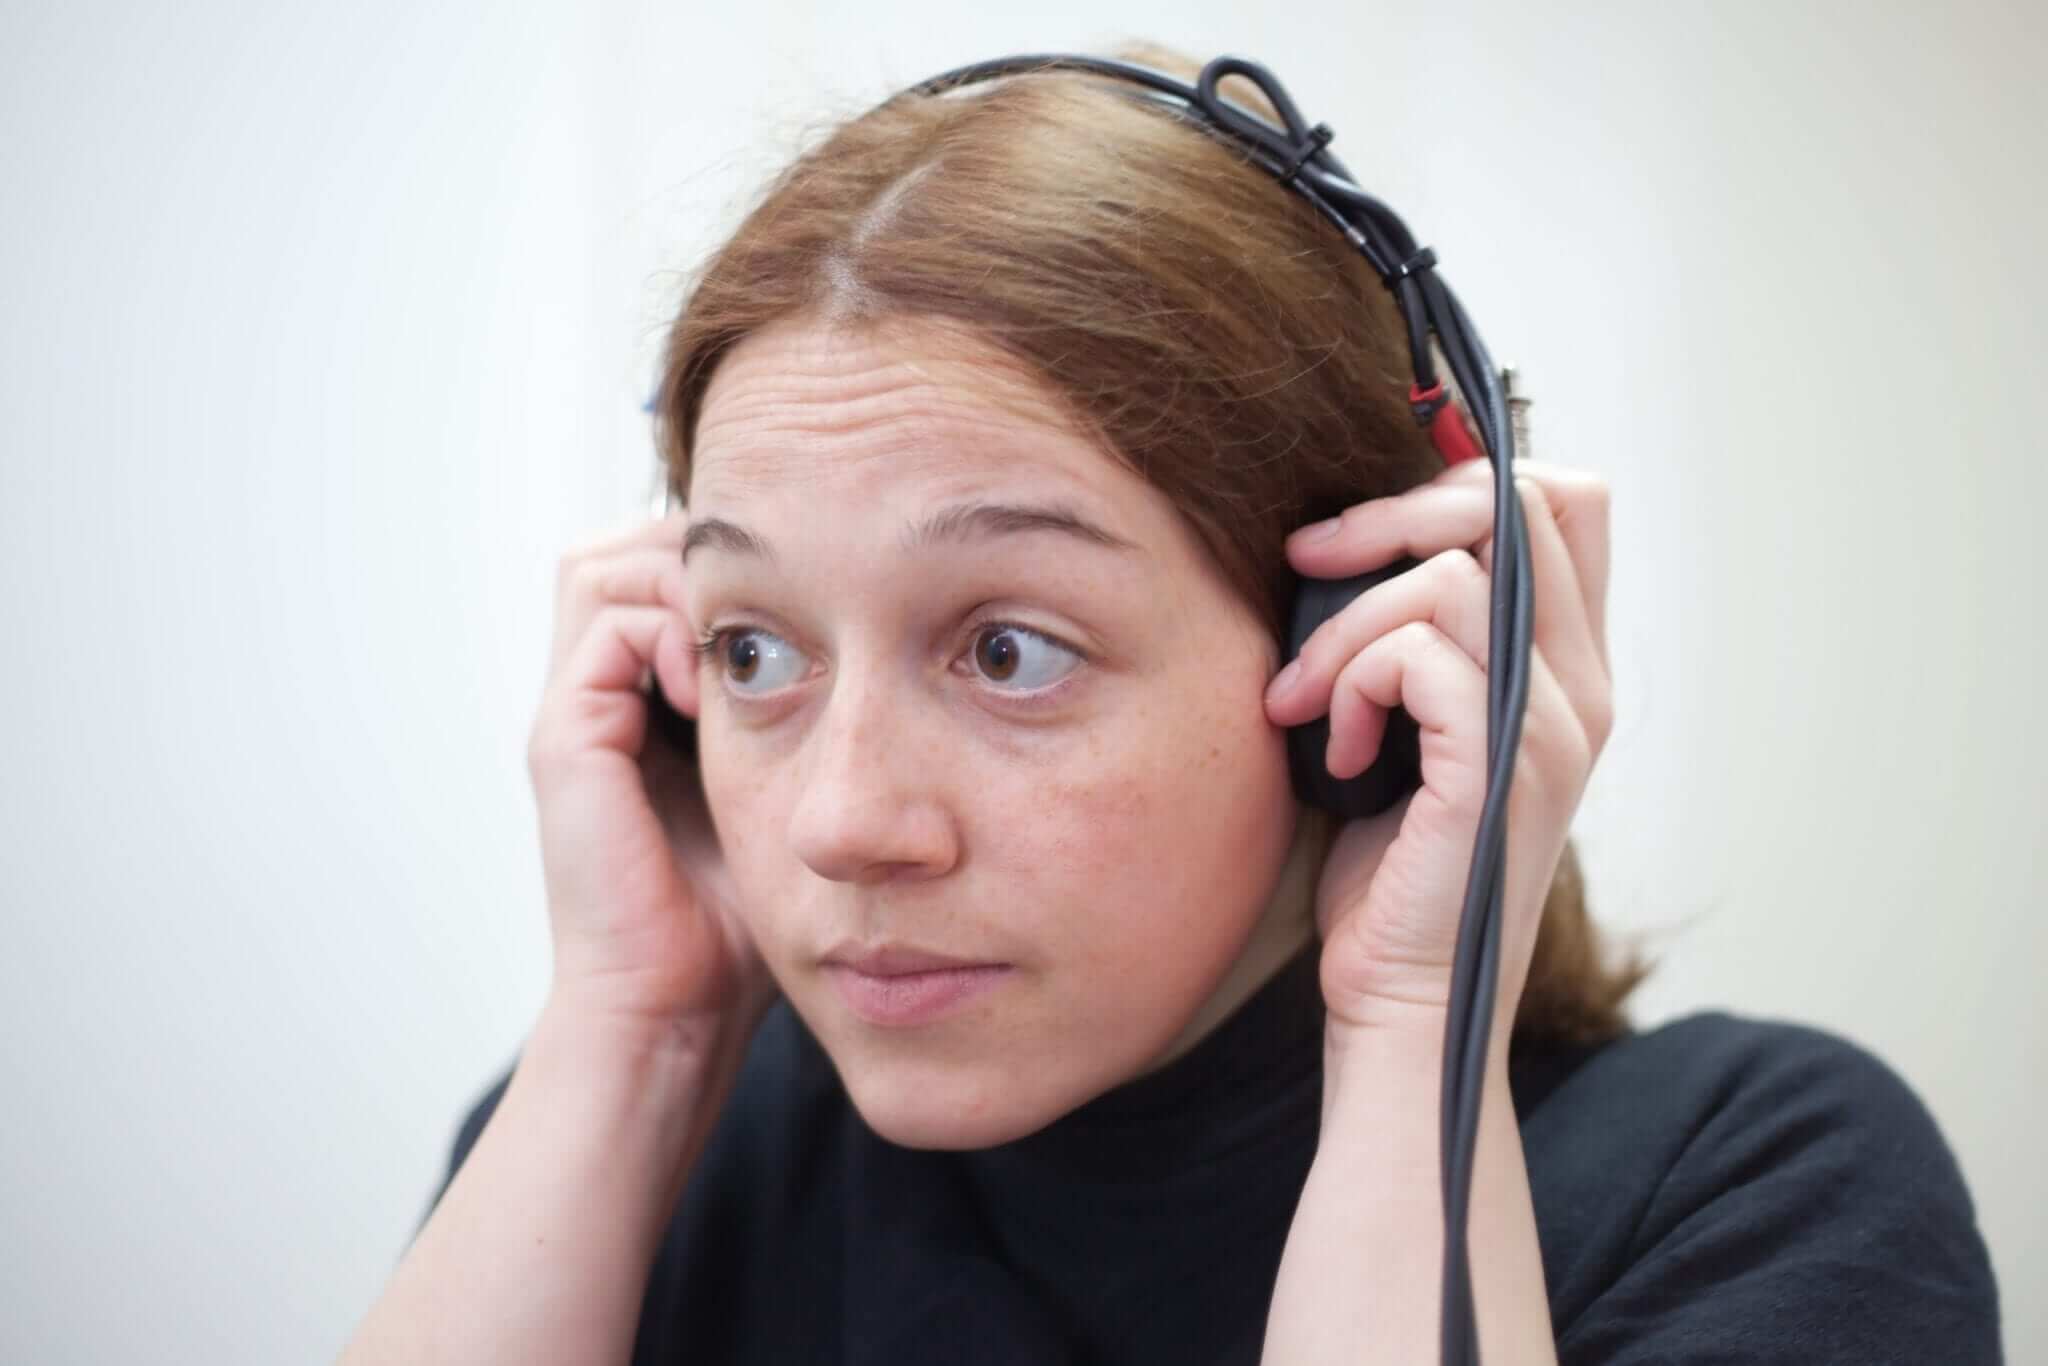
(1298, 156)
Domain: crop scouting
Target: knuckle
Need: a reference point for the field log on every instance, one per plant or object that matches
(543, 755)
(589, 706)
(1598, 501)
(1555, 760)
(588, 578)
(1459, 563)
(587, 589)
(567, 567)
(1585, 495)
(1423, 637)
(1579, 748)
(1600, 720)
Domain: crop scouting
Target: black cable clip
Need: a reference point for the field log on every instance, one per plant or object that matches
(1311, 145)
(1422, 260)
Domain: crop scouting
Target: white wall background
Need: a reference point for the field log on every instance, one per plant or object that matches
(323, 332)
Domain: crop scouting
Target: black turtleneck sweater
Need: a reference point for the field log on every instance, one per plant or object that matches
(1716, 1189)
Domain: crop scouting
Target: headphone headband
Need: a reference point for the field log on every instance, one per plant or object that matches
(1298, 156)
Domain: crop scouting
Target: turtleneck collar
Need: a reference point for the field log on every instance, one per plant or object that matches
(1160, 1207)
(1148, 1219)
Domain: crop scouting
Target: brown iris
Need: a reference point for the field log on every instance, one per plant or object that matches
(997, 652)
(743, 647)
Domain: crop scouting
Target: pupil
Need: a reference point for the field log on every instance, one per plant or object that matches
(1000, 653)
(743, 668)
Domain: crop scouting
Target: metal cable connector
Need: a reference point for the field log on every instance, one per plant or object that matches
(1518, 408)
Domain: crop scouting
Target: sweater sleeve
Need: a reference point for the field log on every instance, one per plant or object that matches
(466, 1135)
(1811, 1213)
(747, 1269)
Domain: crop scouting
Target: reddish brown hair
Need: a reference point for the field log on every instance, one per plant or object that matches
(1206, 326)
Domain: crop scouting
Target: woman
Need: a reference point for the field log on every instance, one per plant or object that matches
(998, 424)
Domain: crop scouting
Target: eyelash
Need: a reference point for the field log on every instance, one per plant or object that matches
(714, 639)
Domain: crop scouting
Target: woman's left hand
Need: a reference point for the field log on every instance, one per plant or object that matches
(1393, 888)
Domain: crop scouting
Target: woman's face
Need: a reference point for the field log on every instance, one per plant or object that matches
(977, 733)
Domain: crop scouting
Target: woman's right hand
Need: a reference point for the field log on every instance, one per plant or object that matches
(641, 905)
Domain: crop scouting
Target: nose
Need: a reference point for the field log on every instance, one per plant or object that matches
(871, 807)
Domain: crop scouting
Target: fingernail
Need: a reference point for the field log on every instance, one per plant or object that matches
(1320, 531)
(1283, 681)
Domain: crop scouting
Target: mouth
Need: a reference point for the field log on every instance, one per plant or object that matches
(899, 1000)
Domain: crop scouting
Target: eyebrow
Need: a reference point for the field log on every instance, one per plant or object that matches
(959, 524)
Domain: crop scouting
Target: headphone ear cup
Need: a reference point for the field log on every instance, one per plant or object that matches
(674, 728)
(1396, 770)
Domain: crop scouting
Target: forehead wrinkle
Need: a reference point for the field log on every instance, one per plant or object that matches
(957, 451)
(902, 423)
(950, 457)
(923, 373)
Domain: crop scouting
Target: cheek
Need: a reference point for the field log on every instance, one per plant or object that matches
(752, 839)
(1146, 847)
(1166, 837)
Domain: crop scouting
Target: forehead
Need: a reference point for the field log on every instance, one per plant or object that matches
(897, 404)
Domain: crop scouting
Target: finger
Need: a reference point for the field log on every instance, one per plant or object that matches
(675, 669)
(1448, 591)
(1453, 597)
(1447, 514)
(584, 585)
(1432, 676)
(1419, 668)
(1562, 631)
(638, 534)
(595, 701)
(1457, 506)
(1423, 521)
(1581, 505)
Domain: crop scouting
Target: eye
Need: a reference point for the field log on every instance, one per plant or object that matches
(1008, 653)
(746, 655)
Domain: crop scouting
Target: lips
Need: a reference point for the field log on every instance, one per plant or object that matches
(898, 986)
(896, 960)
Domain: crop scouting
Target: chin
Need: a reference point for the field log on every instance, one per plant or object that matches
(914, 1109)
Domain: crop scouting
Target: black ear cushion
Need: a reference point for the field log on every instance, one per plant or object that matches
(671, 725)
(1396, 770)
